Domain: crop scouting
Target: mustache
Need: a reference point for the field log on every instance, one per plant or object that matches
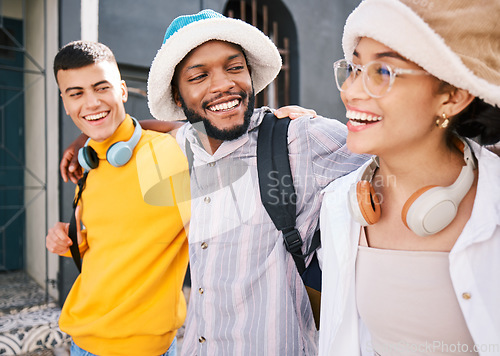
(241, 93)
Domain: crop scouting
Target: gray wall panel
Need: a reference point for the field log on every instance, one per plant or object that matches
(134, 29)
(319, 25)
(69, 12)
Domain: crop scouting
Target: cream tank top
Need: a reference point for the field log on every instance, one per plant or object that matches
(407, 301)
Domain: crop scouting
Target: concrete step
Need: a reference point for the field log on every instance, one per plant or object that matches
(28, 318)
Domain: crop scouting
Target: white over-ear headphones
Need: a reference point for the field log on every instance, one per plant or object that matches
(428, 211)
(117, 154)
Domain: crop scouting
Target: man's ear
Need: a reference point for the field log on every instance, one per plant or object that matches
(456, 101)
(176, 95)
(124, 90)
(64, 104)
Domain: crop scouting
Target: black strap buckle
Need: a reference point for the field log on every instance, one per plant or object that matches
(293, 241)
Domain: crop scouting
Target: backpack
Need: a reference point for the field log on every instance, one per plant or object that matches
(72, 229)
(272, 157)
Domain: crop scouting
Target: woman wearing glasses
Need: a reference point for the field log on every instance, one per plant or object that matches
(411, 240)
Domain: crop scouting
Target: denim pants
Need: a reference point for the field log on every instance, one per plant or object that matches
(77, 351)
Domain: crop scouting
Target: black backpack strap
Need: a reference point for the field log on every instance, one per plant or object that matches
(312, 275)
(72, 230)
(277, 191)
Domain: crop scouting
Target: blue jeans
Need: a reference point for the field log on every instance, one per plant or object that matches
(77, 351)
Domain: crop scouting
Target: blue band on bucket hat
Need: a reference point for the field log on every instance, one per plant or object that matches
(185, 20)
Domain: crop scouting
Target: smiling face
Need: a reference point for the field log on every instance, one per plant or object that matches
(402, 119)
(93, 96)
(213, 84)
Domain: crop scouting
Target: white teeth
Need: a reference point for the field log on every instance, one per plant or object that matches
(96, 116)
(224, 106)
(357, 123)
(361, 116)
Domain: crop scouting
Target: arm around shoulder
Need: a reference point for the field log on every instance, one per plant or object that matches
(162, 126)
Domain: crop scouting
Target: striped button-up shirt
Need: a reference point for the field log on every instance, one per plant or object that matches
(246, 295)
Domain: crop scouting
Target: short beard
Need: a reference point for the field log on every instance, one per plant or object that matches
(216, 133)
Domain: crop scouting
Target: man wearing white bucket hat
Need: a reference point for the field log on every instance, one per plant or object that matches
(247, 297)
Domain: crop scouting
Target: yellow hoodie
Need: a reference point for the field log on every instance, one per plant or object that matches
(128, 299)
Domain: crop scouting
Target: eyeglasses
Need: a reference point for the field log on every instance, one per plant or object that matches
(378, 77)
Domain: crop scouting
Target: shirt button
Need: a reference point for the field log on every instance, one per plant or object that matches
(200, 290)
(201, 339)
(466, 296)
(207, 200)
(204, 245)
(211, 164)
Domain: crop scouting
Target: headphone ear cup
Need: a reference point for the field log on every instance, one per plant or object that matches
(410, 201)
(368, 201)
(87, 158)
(364, 203)
(118, 154)
(429, 210)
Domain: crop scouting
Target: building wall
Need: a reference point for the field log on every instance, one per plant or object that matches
(52, 106)
(41, 138)
(320, 24)
(69, 30)
(41, 132)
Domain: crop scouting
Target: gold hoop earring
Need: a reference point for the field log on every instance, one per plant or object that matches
(444, 123)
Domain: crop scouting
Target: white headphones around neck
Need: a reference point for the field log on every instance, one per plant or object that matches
(428, 211)
(117, 154)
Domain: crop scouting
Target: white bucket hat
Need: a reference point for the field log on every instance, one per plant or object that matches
(188, 32)
(457, 41)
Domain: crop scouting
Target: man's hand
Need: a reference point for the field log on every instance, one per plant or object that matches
(293, 112)
(57, 240)
(69, 166)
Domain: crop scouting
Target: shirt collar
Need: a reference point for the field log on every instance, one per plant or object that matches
(485, 216)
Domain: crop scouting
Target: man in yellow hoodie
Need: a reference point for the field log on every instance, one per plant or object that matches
(128, 298)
